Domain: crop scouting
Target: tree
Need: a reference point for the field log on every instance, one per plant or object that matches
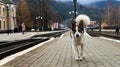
(43, 9)
(111, 14)
(23, 14)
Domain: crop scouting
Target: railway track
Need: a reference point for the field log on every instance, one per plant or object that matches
(105, 35)
(9, 48)
(3, 42)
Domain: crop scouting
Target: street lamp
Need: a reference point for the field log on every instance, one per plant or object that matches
(72, 14)
(76, 13)
(7, 17)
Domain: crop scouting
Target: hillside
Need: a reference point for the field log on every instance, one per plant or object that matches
(6, 1)
(103, 4)
(64, 7)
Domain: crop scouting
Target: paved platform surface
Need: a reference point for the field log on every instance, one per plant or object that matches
(58, 53)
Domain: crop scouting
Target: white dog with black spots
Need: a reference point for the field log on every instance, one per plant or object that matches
(78, 34)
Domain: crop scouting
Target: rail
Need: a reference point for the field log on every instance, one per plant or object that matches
(9, 48)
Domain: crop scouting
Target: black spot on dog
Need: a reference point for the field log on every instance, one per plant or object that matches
(73, 26)
(81, 27)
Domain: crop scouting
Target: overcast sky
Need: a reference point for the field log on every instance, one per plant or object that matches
(84, 1)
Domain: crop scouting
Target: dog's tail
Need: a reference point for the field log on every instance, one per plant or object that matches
(85, 18)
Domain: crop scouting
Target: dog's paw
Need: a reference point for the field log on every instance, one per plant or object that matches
(77, 58)
(82, 58)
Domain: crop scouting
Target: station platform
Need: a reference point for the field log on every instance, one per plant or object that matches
(98, 52)
(20, 36)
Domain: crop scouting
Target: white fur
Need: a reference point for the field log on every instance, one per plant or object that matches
(83, 17)
(79, 41)
(77, 33)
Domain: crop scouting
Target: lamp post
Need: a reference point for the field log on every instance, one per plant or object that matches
(42, 22)
(7, 17)
(75, 1)
(37, 22)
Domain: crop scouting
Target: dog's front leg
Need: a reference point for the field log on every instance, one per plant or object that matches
(76, 52)
(81, 54)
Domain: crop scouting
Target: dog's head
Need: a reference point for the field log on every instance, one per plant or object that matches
(77, 29)
(79, 24)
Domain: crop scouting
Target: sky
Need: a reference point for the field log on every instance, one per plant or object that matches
(84, 2)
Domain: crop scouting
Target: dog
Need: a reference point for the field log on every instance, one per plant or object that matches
(77, 35)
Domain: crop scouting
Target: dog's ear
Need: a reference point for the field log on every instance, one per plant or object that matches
(81, 24)
(73, 24)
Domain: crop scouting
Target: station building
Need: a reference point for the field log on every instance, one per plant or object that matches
(7, 17)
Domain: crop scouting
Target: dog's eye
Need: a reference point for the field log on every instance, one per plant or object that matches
(74, 31)
(80, 30)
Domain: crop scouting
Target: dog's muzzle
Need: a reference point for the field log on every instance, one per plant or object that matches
(77, 36)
